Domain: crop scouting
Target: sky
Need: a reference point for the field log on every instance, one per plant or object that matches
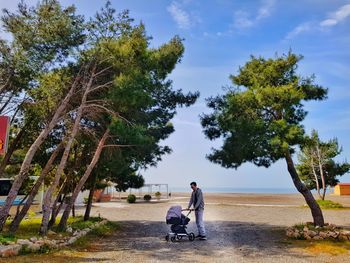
(221, 35)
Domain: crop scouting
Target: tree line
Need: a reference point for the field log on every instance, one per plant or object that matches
(88, 99)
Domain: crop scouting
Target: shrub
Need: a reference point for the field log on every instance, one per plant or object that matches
(131, 198)
(158, 194)
(147, 197)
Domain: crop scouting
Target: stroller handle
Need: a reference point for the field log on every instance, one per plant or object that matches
(189, 211)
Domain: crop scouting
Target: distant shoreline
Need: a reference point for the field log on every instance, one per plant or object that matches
(229, 190)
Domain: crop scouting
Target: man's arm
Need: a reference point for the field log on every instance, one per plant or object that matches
(191, 201)
(199, 198)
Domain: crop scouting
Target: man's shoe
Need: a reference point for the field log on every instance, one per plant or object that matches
(203, 238)
(198, 236)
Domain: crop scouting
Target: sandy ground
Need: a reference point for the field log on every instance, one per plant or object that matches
(241, 228)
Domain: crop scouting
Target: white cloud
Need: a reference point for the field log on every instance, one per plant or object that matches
(243, 19)
(338, 16)
(334, 18)
(178, 121)
(328, 22)
(299, 29)
(182, 18)
(266, 9)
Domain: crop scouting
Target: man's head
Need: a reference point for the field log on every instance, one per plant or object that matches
(193, 186)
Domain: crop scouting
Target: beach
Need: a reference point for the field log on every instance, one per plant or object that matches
(241, 228)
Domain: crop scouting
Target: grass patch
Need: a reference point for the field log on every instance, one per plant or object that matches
(30, 227)
(105, 230)
(5, 239)
(333, 248)
(79, 223)
(328, 204)
(27, 229)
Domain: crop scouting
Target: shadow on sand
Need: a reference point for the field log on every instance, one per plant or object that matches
(226, 239)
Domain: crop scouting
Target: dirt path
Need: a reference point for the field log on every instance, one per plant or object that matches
(143, 241)
(235, 234)
(228, 242)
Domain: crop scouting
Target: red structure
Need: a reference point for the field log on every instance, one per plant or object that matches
(4, 133)
(342, 189)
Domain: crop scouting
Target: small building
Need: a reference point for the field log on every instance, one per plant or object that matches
(342, 189)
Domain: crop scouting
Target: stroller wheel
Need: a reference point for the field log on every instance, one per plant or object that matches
(173, 239)
(167, 237)
(191, 236)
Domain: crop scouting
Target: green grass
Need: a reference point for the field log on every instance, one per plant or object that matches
(330, 247)
(30, 227)
(27, 229)
(5, 239)
(79, 223)
(328, 204)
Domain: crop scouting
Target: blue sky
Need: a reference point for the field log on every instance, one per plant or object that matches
(220, 35)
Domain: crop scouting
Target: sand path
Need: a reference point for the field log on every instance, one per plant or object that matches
(236, 233)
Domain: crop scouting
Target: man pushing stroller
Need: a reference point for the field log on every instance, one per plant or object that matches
(197, 201)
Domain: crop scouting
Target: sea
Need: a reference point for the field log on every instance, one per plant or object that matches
(238, 190)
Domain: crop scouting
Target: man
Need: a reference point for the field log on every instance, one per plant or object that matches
(198, 206)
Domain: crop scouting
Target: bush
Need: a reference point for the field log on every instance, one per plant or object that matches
(147, 197)
(131, 198)
(158, 194)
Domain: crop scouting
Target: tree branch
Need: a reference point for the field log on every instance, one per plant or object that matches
(101, 86)
(120, 145)
(100, 72)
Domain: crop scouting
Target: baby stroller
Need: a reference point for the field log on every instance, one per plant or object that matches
(178, 222)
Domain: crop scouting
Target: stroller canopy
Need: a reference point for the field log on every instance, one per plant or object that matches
(174, 212)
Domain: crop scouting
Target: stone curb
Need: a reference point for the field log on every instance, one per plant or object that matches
(34, 244)
(328, 232)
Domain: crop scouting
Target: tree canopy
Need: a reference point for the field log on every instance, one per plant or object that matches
(317, 165)
(259, 119)
(94, 90)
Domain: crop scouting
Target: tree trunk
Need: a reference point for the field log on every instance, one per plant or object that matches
(10, 151)
(4, 212)
(63, 223)
(47, 204)
(17, 220)
(316, 178)
(73, 210)
(321, 172)
(324, 193)
(310, 200)
(91, 195)
(6, 103)
(56, 211)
